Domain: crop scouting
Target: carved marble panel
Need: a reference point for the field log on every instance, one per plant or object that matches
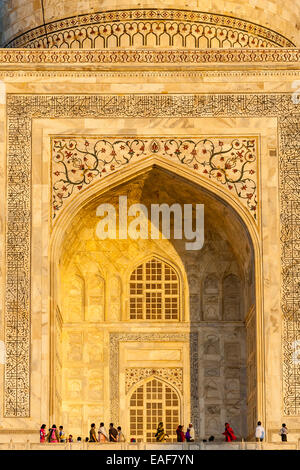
(231, 298)
(78, 162)
(211, 298)
(22, 109)
(173, 375)
(150, 27)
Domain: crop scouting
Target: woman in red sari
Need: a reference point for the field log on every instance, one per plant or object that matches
(229, 434)
(43, 433)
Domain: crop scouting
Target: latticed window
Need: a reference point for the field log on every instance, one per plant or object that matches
(150, 403)
(154, 292)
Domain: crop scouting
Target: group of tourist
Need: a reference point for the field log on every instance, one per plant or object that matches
(260, 432)
(113, 434)
(55, 435)
(189, 436)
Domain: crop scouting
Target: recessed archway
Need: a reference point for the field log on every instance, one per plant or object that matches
(218, 301)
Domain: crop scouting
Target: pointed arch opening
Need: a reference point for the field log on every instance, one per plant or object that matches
(150, 402)
(217, 299)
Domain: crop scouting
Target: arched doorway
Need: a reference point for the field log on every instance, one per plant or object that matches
(151, 402)
(218, 306)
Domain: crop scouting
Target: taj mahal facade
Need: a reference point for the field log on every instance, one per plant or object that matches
(164, 103)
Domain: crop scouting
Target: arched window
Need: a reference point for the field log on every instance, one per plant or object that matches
(150, 403)
(154, 292)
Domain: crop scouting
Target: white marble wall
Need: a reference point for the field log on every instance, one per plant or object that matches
(269, 323)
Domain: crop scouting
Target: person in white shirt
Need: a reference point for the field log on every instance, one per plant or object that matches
(259, 432)
(192, 433)
(121, 437)
(102, 433)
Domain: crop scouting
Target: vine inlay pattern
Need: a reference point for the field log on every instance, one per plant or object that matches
(173, 375)
(229, 162)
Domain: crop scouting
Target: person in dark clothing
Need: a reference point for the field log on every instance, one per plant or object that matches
(113, 433)
(283, 433)
(93, 436)
(180, 434)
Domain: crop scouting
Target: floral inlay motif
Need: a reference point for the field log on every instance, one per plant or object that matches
(229, 162)
(173, 375)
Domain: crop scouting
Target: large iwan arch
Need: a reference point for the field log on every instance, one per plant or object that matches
(217, 365)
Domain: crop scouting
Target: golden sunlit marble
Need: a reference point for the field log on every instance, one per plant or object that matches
(82, 356)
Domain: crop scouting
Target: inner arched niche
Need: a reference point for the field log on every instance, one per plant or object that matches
(217, 301)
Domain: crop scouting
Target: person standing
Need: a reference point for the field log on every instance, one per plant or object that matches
(259, 432)
(121, 437)
(53, 435)
(283, 433)
(180, 434)
(229, 434)
(113, 433)
(62, 436)
(93, 437)
(102, 433)
(43, 433)
(160, 433)
(190, 433)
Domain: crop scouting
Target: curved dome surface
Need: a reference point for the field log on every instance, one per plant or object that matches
(120, 24)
